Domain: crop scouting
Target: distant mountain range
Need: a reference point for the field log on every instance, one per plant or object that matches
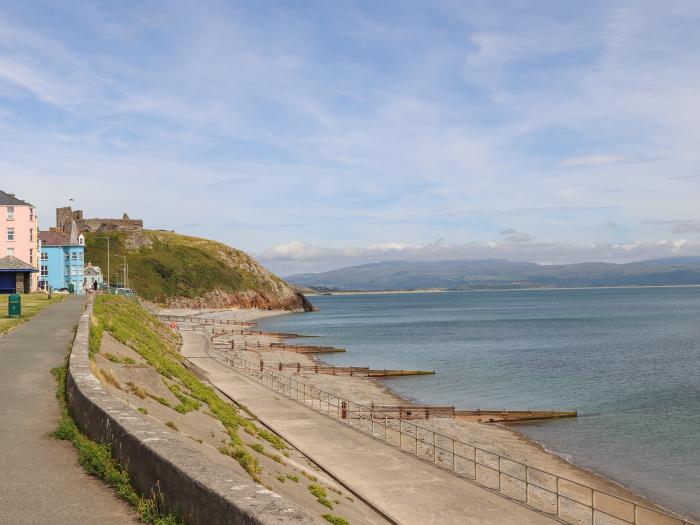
(501, 274)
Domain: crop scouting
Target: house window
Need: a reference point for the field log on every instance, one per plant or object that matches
(44, 270)
(74, 256)
(31, 234)
(10, 234)
(10, 251)
(74, 271)
(31, 256)
(10, 213)
(44, 256)
(31, 214)
(80, 256)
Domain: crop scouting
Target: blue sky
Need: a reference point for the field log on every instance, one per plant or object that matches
(321, 134)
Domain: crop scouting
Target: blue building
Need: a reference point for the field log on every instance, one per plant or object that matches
(62, 260)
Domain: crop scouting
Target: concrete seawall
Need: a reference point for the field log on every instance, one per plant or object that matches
(164, 464)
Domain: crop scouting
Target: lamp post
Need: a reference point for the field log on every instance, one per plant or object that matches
(106, 237)
(126, 271)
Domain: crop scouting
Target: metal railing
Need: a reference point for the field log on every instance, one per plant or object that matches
(563, 499)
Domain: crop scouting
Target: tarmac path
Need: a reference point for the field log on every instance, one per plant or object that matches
(40, 479)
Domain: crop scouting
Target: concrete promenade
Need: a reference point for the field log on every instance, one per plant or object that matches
(40, 479)
(405, 488)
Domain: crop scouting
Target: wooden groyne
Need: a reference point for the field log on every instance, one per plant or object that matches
(256, 333)
(405, 411)
(352, 371)
(501, 416)
(305, 349)
(477, 416)
(204, 320)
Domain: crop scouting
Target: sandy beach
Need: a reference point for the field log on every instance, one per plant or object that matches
(497, 438)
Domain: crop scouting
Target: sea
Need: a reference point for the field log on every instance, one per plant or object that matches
(627, 359)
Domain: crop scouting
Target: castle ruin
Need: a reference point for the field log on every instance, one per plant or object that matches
(66, 215)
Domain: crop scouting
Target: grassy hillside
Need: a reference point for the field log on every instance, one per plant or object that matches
(178, 270)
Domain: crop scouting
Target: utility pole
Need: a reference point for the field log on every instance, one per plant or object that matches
(124, 270)
(106, 237)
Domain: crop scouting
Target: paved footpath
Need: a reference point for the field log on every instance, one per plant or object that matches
(40, 479)
(407, 489)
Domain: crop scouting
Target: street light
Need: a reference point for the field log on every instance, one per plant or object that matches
(106, 237)
(126, 271)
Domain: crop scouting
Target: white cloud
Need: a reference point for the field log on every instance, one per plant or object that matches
(511, 235)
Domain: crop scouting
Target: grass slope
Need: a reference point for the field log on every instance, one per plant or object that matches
(166, 265)
(132, 325)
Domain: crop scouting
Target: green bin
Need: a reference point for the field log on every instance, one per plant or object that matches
(71, 288)
(14, 305)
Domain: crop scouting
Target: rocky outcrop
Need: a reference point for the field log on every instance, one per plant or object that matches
(248, 299)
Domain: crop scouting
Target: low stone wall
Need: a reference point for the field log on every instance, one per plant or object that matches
(164, 464)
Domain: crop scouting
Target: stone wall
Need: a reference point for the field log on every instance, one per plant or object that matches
(66, 215)
(103, 225)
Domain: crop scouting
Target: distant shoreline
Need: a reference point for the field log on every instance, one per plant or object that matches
(482, 290)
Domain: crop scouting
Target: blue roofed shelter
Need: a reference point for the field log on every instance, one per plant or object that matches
(15, 275)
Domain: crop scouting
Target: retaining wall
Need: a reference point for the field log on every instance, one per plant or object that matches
(164, 464)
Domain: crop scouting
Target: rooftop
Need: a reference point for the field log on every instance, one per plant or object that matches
(13, 264)
(54, 238)
(9, 199)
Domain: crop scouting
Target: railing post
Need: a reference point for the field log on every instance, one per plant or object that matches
(499, 475)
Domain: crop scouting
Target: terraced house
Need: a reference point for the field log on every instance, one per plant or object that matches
(19, 245)
(63, 259)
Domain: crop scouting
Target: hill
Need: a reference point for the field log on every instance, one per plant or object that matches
(181, 271)
(497, 273)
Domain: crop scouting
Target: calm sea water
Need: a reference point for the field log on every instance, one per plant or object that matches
(627, 359)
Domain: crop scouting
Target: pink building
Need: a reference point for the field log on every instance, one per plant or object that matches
(19, 232)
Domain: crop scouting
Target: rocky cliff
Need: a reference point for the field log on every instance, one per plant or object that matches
(181, 271)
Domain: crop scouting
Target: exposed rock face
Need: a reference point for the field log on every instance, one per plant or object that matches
(249, 299)
(137, 240)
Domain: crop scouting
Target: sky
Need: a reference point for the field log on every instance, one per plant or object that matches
(316, 135)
